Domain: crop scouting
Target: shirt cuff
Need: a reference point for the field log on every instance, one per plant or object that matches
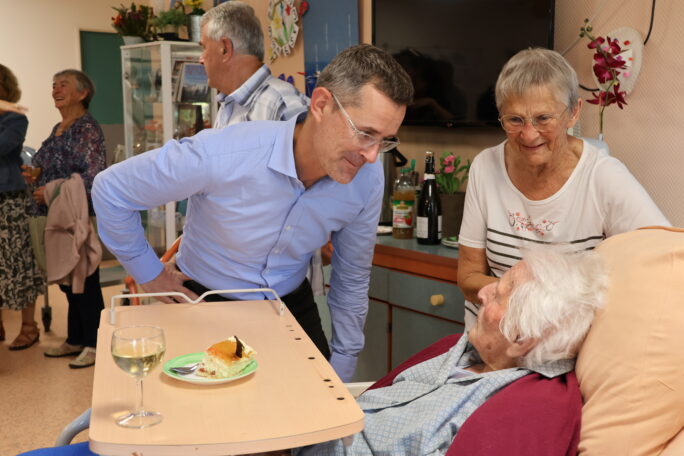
(145, 267)
(344, 365)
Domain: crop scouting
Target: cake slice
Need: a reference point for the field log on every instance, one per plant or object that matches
(224, 359)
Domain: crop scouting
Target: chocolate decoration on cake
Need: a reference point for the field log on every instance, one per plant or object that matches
(238, 347)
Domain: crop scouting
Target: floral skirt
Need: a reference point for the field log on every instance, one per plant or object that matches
(20, 279)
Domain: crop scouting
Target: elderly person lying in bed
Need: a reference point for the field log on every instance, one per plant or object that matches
(533, 321)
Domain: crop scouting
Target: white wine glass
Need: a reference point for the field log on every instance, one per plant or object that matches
(137, 350)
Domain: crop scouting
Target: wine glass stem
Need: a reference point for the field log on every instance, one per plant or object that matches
(139, 403)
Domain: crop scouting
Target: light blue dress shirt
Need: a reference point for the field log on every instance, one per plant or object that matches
(250, 221)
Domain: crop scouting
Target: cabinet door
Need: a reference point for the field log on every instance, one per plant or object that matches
(414, 293)
(373, 359)
(372, 363)
(412, 332)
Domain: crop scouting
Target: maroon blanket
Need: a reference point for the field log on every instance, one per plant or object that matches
(532, 416)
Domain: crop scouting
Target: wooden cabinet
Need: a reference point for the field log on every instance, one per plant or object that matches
(405, 312)
(414, 322)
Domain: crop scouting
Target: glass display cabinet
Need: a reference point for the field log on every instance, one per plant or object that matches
(165, 96)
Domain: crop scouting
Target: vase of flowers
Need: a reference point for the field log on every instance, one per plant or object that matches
(132, 23)
(451, 175)
(608, 65)
(194, 19)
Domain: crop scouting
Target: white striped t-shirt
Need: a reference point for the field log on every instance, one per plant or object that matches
(601, 198)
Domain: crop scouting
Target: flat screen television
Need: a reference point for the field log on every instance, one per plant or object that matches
(454, 49)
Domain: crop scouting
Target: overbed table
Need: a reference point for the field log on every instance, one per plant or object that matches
(293, 399)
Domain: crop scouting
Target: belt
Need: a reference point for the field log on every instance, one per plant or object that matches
(201, 289)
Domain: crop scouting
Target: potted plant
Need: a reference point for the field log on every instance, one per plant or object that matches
(194, 16)
(169, 22)
(132, 23)
(451, 176)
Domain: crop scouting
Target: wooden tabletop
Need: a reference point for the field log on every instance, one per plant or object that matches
(293, 399)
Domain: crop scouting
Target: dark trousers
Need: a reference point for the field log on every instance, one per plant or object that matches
(300, 303)
(83, 318)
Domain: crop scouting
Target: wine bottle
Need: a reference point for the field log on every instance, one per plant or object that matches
(429, 219)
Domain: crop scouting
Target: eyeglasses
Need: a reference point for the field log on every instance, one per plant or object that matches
(364, 139)
(541, 122)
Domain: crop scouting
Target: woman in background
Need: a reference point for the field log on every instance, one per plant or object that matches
(541, 185)
(76, 145)
(20, 279)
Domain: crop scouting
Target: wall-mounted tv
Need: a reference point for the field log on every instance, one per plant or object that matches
(454, 50)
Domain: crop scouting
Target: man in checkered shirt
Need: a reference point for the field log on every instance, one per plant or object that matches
(233, 56)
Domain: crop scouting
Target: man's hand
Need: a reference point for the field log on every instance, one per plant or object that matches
(170, 279)
(327, 253)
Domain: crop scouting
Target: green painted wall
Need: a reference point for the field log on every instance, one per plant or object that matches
(101, 61)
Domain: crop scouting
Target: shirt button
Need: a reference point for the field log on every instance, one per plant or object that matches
(288, 228)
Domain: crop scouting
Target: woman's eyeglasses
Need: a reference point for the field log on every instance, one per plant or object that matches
(541, 122)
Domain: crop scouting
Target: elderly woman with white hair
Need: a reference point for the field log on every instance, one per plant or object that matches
(541, 185)
(532, 323)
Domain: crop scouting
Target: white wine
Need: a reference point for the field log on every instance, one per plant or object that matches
(138, 360)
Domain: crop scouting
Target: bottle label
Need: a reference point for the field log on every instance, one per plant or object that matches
(422, 227)
(427, 176)
(402, 214)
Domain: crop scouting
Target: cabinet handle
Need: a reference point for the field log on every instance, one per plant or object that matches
(437, 300)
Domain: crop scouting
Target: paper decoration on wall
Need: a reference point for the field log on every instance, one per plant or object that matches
(282, 27)
(289, 79)
(303, 8)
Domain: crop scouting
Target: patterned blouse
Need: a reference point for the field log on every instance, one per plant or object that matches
(80, 149)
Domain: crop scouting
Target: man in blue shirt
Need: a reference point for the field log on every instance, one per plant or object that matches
(264, 195)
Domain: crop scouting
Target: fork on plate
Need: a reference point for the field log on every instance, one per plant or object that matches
(185, 370)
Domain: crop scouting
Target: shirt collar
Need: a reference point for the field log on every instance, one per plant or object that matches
(551, 369)
(282, 156)
(247, 89)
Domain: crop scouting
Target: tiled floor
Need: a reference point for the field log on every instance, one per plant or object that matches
(39, 395)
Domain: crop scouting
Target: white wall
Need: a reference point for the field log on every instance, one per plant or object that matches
(40, 38)
(647, 134)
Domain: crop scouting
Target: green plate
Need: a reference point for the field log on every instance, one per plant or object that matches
(192, 358)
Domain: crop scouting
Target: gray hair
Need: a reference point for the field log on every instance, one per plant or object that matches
(365, 64)
(236, 21)
(557, 305)
(537, 67)
(83, 84)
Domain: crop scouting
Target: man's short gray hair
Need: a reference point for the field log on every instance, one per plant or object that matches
(557, 305)
(236, 21)
(365, 64)
(537, 67)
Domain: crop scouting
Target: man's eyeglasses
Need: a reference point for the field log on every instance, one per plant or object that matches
(365, 140)
(541, 122)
